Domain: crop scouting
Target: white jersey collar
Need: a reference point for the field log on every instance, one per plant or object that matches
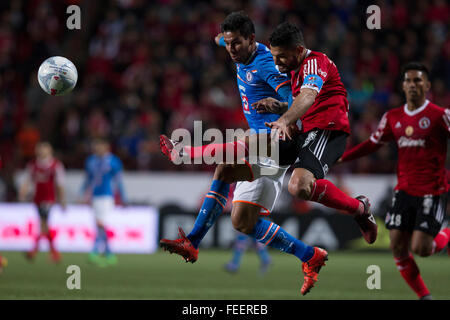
(418, 110)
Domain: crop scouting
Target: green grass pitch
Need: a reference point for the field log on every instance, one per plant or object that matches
(164, 276)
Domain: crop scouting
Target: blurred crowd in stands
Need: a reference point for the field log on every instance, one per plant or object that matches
(149, 67)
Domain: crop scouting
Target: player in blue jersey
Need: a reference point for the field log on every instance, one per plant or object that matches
(255, 193)
(103, 179)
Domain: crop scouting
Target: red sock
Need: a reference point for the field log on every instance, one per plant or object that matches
(410, 272)
(441, 240)
(51, 237)
(36, 242)
(331, 196)
(236, 148)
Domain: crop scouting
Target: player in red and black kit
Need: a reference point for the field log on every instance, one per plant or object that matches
(320, 107)
(420, 130)
(46, 174)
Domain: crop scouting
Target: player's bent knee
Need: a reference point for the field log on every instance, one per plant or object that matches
(225, 173)
(300, 188)
(399, 248)
(422, 250)
(242, 225)
(244, 217)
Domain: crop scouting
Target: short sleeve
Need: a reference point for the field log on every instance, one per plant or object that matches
(446, 120)
(315, 73)
(383, 133)
(272, 76)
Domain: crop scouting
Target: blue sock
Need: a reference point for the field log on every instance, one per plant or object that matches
(97, 242)
(212, 207)
(262, 252)
(269, 233)
(105, 241)
(240, 245)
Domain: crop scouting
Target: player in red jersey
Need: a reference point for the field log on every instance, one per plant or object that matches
(46, 174)
(420, 129)
(320, 103)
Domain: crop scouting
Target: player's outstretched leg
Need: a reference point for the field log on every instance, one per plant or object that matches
(182, 246)
(303, 185)
(313, 258)
(235, 149)
(213, 205)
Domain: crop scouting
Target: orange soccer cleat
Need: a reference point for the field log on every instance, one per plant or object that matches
(181, 246)
(312, 267)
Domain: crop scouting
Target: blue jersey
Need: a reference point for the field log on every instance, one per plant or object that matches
(261, 79)
(103, 176)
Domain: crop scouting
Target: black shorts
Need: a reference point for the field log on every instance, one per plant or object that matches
(44, 210)
(319, 149)
(409, 213)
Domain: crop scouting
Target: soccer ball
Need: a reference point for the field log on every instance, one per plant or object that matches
(57, 76)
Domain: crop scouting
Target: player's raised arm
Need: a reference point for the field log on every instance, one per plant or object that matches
(377, 139)
(219, 40)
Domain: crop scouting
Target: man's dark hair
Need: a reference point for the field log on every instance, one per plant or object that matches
(286, 35)
(238, 21)
(415, 66)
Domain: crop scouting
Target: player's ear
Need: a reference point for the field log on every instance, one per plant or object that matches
(252, 38)
(427, 85)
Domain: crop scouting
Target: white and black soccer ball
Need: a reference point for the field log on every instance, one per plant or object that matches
(57, 76)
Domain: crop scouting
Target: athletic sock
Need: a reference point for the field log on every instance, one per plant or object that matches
(51, 236)
(239, 247)
(36, 242)
(105, 241)
(410, 272)
(263, 253)
(237, 149)
(213, 205)
(326, 193)
(269, 233)
(98, 241)
(441, 240)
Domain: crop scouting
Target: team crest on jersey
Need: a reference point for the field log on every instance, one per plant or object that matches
(249, 76)
(424, 123)
(409, 131)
